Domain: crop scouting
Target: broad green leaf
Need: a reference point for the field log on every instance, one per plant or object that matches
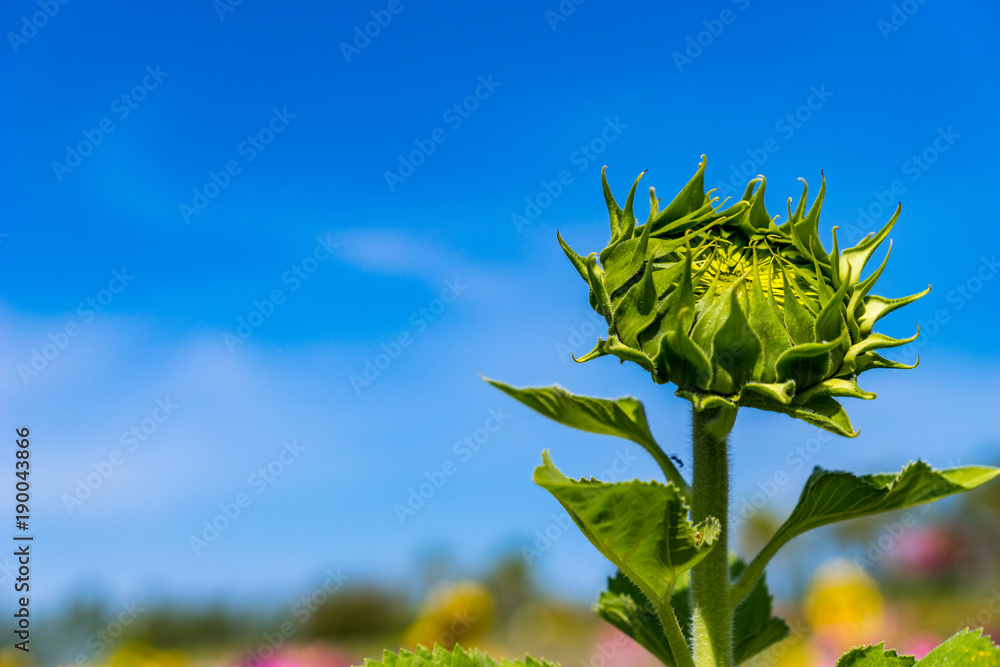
(968, 647)
(874, 656)
(838, 496)
(442, 657)
(623, 417)
(754, 629)
(642, 527)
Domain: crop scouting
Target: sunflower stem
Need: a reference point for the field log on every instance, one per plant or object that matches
(712, 627)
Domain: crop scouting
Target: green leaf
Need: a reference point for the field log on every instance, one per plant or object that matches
(754, 628)
(874, 656)
(968, 647)
(623, 417)
(624, 606)
(442, 657)
(837, 496)
(642, 527)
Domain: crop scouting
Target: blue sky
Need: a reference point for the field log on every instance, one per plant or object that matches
(279, 140)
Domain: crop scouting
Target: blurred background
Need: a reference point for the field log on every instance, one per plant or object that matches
(254, 256)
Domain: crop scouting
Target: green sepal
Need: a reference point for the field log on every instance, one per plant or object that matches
(687, 365)
(780, 392)
(736, 349)
(855, 259)
(877, 307)
(807, 229)
(808, 363)
(871, 360)
(595, 277)
(690, 199)
(830, 323)
(822, 411)
(765, 320)
(840, 387)
(614, 211)
(873, 342)
(579, 263)
(799, 322)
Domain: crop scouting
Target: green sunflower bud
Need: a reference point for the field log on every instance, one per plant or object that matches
(737, 310)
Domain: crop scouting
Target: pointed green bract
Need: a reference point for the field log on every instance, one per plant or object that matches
(623, 417)
(838, 496)
(715, 298)
(442, 657)
(642, 527)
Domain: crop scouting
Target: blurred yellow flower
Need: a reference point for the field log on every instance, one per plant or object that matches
(140, 655)
(844, 605)
(452, 614)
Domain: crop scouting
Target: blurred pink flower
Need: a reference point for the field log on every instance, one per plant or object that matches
(920, 646)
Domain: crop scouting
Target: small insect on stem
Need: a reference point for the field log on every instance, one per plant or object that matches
(676, 459)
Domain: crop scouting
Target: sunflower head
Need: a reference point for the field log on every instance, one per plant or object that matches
(737, 310)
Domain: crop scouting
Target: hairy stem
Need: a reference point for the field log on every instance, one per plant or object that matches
(675, 637)
(713, 611)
